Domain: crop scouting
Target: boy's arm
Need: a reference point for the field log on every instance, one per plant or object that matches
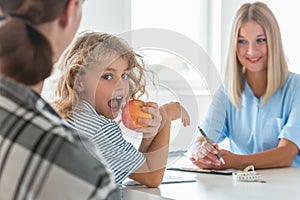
(156, 148)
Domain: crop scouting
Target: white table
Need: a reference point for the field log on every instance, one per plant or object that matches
(281, 184)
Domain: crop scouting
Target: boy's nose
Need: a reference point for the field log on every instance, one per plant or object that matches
(119, 84)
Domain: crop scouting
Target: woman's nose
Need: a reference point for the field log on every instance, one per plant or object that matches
(252, 47)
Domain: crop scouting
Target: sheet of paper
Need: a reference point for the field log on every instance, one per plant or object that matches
(166, 180)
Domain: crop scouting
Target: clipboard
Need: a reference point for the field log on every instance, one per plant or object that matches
(207, 171)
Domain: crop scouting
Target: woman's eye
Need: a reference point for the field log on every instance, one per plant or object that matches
(125, 76)
(260, 40)
(107, 77)
(240, 41)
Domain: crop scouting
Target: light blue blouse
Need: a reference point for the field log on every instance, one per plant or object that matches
(255, 128)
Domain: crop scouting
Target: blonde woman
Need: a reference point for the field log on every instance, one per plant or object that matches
(259, 108)
(100, 74)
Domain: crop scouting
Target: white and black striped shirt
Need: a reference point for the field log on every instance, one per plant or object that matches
(120, 155)
(40, 157)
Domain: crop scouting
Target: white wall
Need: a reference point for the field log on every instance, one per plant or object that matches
(111, 16)
(287, 14)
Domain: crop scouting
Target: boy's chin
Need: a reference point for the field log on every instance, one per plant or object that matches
(112, 115)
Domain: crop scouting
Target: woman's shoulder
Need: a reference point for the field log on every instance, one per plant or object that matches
(291, 85)
(294, 75)
(293, 80)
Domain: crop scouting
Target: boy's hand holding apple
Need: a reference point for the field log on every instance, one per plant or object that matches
(146, 117)
(142, 116)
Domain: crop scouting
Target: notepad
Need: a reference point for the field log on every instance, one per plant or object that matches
(166, 180)
(198, 170)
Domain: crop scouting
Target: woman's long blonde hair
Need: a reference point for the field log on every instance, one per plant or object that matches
(277, 68)
(95, 49)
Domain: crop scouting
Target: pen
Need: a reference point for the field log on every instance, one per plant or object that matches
(211, 143)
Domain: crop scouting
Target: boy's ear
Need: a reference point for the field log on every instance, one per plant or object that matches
(78, 83)
(67, 15)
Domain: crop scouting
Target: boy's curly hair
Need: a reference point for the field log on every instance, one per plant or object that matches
(96, 49)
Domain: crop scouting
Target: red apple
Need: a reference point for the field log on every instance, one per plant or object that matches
(131, 112)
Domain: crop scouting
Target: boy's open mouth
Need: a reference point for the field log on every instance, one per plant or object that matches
(115, 103)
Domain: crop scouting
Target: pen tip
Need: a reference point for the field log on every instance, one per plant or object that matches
(222, 161)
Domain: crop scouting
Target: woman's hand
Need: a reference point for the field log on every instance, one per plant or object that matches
(232, 161)
(204, 154)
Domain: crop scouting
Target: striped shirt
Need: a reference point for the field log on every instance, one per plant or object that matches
(40, 157)
(120, 155)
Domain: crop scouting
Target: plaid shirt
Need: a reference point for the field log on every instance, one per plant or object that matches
(40, 157)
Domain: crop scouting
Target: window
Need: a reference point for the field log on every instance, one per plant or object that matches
(197, 21)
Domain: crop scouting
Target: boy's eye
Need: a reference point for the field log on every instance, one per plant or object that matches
(107, 77)
(125, 76)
